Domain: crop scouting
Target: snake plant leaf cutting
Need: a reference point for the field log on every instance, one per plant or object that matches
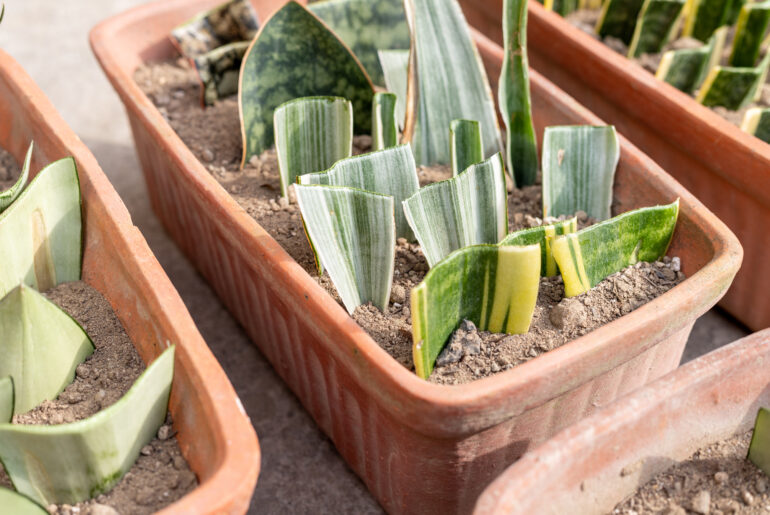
(465, 146)
(295, 55)
(468, 209)
(749, 32)
(446, 81)
(353, 235)
(311, 134)
(229, 22)
(44, 224)
(590, 255)
(657, 22)
(389, 172)
(759, 448)
(18, 504)
(514, 98)
(7, 403)
(618, 19)
(494, 287)
(8, 196)
(384, 121)
(365, 27)
(733, 87)
(579, 164)
(41, 347)
(2, 12)
(69, 463)
(562, 7)
(757, 122)
(687, 68)
(218, 70)
(542, 235)
(704, 17)
(395, 65)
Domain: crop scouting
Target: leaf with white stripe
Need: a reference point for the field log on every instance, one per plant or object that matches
(311, 134)
(389, 172)
(733, 87)
(465, 146)
(468, 209)
(384, 122)
(8, 196)
(657, 23)
(543, 236)
(579, 164)
(395, 65)
(757, 122)
(353, 234)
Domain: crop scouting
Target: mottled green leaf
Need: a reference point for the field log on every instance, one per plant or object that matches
(446, 81)
(294, 55)
(465, 147)
(395, 65)
(618, 19)
(384, 121)
(749, 33)
(311, 134)
(14, 503)
(8, 196)
(704, 17)
(542, 236)
(218, 70)
(229, 22)
(7, 399)
(759, 448)
(562, 7)
(733, 88)
(655, 26)
(468, 209)
(493, 287)
(757, 122)
(686, 69)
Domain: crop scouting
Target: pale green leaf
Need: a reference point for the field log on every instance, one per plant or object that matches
(542, 236)
(465, 147)
(655, 26)
(384, 122)
(731, 87)
(468, 209)
(218, 70)
(704, 17)
(749, 32)
(8, 196)
(757, 122)
(759, 448)
(15, 503)
(395, 65)
(579, 170)
(229, 22)
(618, 19)
(7, 400)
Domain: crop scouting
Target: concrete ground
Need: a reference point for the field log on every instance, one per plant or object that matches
(301, 470)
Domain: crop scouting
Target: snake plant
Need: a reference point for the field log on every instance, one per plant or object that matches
(757, 123)
(18, 504)
(750, 28)
(733, 87)
(218, 70)
(687, 68)
(759, 448)
(230, 22)
(543, 236)
(656, 24)
(395, 66)
(465, 148)
(385, 131)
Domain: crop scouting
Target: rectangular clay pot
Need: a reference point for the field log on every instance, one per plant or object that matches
(420, 447)
(579, 471)
(724, 167)
(214, 433)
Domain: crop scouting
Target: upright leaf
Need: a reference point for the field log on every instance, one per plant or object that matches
(759, 448)
(579, 170)
(395, 64)
(41, 347)
(311, 134)
(687, 68)
(731, 87)
(384, 121)
(446, 81)
(41, 232)
(618, 19)
(561, 7)
(218, 70)
(749, 32)
(465, 146)
(7, 401)
(8, 196)
(353, 235)
(468, 209)
(229, 22)
(656, 24)
(587, 257)
(69, 463)
(295, 55)
(542, 236)
(15, 503)
(704, 17)
(389, 172)
(513, 96)
(757, 122)
(494, 287)
(366, 27)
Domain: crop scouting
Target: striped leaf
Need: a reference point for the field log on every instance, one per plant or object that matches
(295, 55)
(41, 232)
(395, 64)
(618, 19)
(494, 287)
(353, 234)
(8, 196)
(384, 121)
(446, 81)
(69, 463)
(218, 70)
(465, 146)
(579, 170)
(733, 11)
(7, 399)
(686, 69)
(542, 236)
(513, 96)
(311, 134)
(749, 32)
(562, 7)
(704, 17)
(388, 172)
(15, 503)
(229, 22)
(756, 121)
(733, 88)
(657, 22)
(588, 256)
(759, 448)
(468, 209)
(41, 347)
(366, 26)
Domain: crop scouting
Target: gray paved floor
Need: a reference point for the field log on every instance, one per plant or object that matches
(301, 471)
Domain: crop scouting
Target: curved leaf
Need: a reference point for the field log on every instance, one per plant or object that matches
(8, 196)
(229, 22)
(218, 70)
(15, 503)
(542, 236)
(384, 122)
(465, 146)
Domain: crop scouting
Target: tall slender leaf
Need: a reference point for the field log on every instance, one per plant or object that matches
(579, 170)
(41, 232)
(749, 32)
(468, 209)
(7, 399)
(311, 134)
(465, 147)
(655, 26)
(229, 22)
(757, 122)
(389, 172)
(8, 196)
(759, 448)
(353, 235)
(69, 463)
(704, 17)
(15, 503)
(618, 19)
(542, 236)
(513, 96)
(384, 121)
(446, 81)
(562, 7)
(295, 55)
(395, 64)
(218, 70)
(41, 347)
(731, 87)
(494, 287)
(587, 257)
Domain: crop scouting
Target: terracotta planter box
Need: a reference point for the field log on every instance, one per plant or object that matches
(214, 433)
(720, 164)
(578, 471)
(419, 447)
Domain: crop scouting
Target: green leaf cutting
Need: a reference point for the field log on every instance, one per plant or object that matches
(229, 22)
(15, 503)
(757, 122)
(731, 87)
(759, 448)
(656, 24)
(543, 236)
(749, 31)
(465, 146)
(618, 19)
(395, 65)
(218, 70)
(384, 121)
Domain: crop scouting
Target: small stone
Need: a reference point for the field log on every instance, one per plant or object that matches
(728, 506)
(101, 395)
(721, 477)
(254, 161)
(494, 367)
(102, 509)
(164, 433)
(398, 294)
(283, 202)
(532, 352)
(52, 509)
(143, 496)
(747, 498)
(179, 462)
(676, 264)
(518, 218)
(146, 450)
(452, 352)
(701, 502)
(675, 509)
(82, 371)
(761, 485)
(582, 216)
(568, 313)
(162, 99)
(274, 205)
(178, 93)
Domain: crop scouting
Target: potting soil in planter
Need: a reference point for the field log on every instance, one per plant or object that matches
(213, 135)
(715, 479)
(160, 475)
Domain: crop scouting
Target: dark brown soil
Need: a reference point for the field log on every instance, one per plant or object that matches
(174, 89)
(9, 170)
(717, 479)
